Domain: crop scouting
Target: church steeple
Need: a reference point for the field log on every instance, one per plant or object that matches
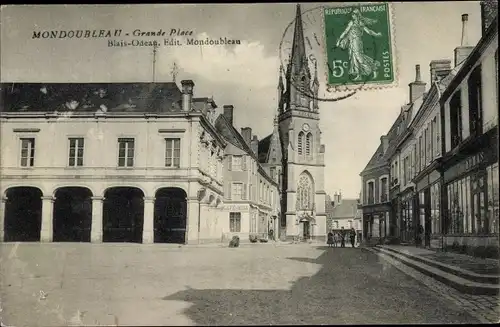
(281, 91)
(298, 75)
(298, 57)
(315, 88)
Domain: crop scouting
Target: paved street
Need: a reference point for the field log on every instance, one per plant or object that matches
(92, 284)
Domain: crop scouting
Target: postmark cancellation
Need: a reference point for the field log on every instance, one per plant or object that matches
(352, 46)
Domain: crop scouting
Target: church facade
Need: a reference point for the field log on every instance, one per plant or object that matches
(296, 140)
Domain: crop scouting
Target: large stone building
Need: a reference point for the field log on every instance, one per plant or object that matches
(251, 196)
(443, 160)
(469, 166)
(118, 163)
(297, 140)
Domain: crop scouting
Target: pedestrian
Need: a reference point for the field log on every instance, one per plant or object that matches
(342, 237)
(352, 236)
(330, 240)
(335, 238)
(420, 232)
(271, 235)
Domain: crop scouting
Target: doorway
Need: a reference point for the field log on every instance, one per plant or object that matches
(427, 217)
(306, 233)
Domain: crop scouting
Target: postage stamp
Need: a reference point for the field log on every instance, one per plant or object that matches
(359, 45)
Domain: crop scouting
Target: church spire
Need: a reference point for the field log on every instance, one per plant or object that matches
(281, 91)
(315, 87)
(299, 57)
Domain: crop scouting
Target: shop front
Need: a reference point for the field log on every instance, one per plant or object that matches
(470, 199)
(428, 187)
(408, 224)
(375, 222)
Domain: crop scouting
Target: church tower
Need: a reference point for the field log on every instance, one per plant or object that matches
(303, 198)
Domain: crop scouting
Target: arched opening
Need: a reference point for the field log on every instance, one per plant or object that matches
(300, 144)
(72, 214)
(170, 216)
(23, 214)
(308, 144)
(123, 215)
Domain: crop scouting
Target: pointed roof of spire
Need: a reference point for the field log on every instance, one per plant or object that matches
(298, 56)
(280, 80)
(316, 81)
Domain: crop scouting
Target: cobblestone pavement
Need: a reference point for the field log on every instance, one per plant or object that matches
(133, 284)
(486, 308)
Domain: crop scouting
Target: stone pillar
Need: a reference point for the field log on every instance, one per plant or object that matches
(96, 231)
(149, 215)
(47, 230)
(204, 216)
(192, 221)
(3, 201)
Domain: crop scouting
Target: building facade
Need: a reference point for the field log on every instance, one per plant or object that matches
(251, 197)
(130, 163)
(345, 213)
(374, 201)
(443, 152)
(469, 166)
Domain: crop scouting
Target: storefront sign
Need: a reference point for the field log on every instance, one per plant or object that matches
(464, 166)
(236, 207)
(427, 180)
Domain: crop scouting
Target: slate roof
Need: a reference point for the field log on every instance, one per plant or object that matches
(377, 159)
(230, 134)
(116, 97)
(346, 209)
(264, 148)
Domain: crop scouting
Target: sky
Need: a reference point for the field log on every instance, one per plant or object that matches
(244, 75)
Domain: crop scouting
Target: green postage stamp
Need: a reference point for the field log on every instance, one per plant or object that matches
(359, 46)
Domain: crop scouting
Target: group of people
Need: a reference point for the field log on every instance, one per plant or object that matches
(335, 237)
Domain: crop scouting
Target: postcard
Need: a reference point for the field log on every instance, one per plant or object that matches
(249, 164)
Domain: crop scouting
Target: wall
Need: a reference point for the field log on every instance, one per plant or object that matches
(100, 170)
(489, 95)
(101, 149)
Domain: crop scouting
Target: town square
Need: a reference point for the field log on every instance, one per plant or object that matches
(249, 164)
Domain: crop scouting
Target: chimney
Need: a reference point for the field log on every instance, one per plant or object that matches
(254, 145)
(439, 69)
(246, 132)
(187, 94)
(228, 112)
(384, 140)
(463, 51)
(417, 88)
(489, 10)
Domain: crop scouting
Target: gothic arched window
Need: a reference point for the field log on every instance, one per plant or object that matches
(300, 145)
(305, 192)
(308, 144)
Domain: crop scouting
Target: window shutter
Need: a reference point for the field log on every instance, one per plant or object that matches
(229, 187)
(244, 191)
(244, 162)
(229, 163)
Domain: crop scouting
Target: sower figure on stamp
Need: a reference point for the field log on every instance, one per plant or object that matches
(351, 39)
